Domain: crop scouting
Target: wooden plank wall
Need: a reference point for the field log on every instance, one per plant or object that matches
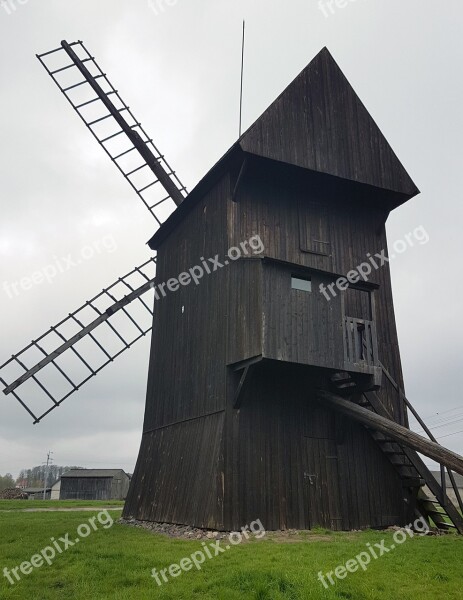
(300, 327)
(202, 462)
(244, 336)
(271, 203)
(188, 353)
(176, 476)
(274, 437)
(86, 488)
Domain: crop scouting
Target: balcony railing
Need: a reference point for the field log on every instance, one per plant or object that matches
(360, 342)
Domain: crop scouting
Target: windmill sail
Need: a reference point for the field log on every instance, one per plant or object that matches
(63, 359)
(112, 123)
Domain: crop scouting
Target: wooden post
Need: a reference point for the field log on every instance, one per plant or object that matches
(394, 430)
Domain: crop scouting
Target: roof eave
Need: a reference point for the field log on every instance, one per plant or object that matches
(194, 196)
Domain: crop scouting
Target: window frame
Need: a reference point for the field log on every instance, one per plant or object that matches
(306, 279)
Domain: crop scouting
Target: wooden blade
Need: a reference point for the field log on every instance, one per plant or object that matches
(59, 362)
(112, 123)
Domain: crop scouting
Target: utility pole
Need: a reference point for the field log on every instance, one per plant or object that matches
(49, 460)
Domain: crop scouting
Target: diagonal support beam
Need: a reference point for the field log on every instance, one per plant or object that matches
(394, 430)
(432, 483)
(239, 394)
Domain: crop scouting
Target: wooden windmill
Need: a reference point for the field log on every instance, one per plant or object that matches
(266, 398)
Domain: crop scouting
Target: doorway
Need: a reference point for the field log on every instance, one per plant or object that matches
(321, 483)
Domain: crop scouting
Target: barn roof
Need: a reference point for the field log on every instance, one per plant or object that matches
(320, 125)
(93, 473)
(458, 479)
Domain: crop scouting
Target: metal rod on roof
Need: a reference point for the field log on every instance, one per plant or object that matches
(242, 76)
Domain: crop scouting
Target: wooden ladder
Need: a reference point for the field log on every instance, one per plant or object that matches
(412, 470)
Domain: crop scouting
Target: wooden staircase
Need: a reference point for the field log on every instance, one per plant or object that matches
(412, 470)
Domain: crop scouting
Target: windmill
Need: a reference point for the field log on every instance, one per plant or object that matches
(265, 399)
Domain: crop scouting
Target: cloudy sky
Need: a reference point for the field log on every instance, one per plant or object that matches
(177, 64)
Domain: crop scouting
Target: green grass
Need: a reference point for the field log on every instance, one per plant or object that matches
(116, 564)
(23, 504)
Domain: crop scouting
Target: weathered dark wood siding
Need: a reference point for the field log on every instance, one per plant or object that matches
(245, 298)
(177, 477)
(86, 488)
(95, 488)
(300, 327)
(273, 207)
(206, 464)
(319, 123)
(280, 438)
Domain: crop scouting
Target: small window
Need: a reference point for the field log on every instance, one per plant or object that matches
(302, 284)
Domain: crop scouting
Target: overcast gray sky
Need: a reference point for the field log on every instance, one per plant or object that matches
(177, 64)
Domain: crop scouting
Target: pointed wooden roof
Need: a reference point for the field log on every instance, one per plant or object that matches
(319, 123)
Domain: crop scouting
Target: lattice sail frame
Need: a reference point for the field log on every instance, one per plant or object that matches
(115, 127)
(59, 362)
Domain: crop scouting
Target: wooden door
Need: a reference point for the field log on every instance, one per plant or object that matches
(321, 483)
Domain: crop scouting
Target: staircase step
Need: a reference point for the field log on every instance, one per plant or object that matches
(381, 438)
(438, 516)
(435, 512)
(346, 392)
(340, 385)
(413, 482)
(406, 470)
(389, 446)
(400, 460)
(414, 474)
(340, 380)
(341, 375)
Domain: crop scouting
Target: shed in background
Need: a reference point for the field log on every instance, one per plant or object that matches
(94, 484)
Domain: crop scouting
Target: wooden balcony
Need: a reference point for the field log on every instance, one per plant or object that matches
(360, 345)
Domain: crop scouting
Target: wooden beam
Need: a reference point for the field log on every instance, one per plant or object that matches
(242, 364)
(241, 386)
(432, 483)
(241, 174)
(394, 430)
(153, 163)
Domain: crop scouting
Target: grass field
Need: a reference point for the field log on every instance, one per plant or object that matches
(116, 563)
(26, 504)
